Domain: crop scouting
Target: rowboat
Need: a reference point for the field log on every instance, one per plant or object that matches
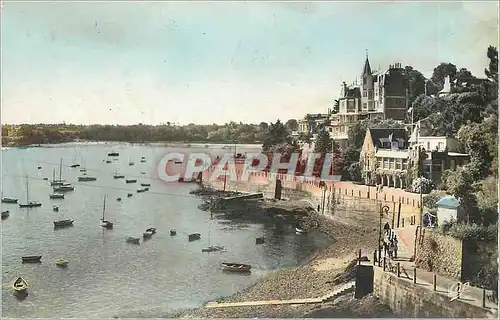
(131, 180)
(118, 199)
(64, 188)
(55, 208)
(5, 214)
(113, 154)
(63, 223)
(194, 236)
(152, 230)
(74, 165)
(87, 178)
(31, 259)
(147, 234)
(145, 184)
(173, 232)
(39, 167)
(129, 195)
(20, 285)
(212, 249)
(56, 196)
(9, 200)
(146, 189)
(133, 240)
(62, 263)
(143, 159)
(108, 161)
(236, 267)
(141, 190)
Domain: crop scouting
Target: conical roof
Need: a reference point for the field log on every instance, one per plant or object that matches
(367, 70)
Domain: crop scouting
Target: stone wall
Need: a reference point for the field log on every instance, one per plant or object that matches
(440, 254)
(407, 299)
(480, 266)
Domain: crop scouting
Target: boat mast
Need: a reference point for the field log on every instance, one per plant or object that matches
(103, 208)
(54, 175)
(27, 191)
(60, 171)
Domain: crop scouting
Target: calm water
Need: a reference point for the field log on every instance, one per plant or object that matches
(106, 276)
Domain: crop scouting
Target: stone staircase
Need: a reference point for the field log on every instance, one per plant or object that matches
(340, 291)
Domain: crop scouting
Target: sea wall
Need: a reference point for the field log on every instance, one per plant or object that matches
(404, 207)
(407, 299)
(440, 254)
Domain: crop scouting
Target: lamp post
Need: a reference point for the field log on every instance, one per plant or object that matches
(383, 210)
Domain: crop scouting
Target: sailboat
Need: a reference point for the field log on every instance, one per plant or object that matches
(211, 248)
(105, 223)
(131, 163)
(29, 204)
(8, 199)
(83, 169)
(61, 185)
(74, 165)
(59, 182)
(143, 159)
(116, 175)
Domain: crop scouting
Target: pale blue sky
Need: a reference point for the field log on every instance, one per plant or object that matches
(205, 62)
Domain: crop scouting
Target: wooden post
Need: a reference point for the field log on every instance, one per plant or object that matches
(414, 275)
(399, 270)
(359, 257)
(434, 282)
(384, 263)
(484, 298)
(374, 257)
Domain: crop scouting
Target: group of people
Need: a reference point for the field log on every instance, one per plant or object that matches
(390, 242)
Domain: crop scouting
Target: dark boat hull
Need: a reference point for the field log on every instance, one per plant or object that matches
(32, 259)
(9, 200)
(30, 205)
(62, 224)
(195, 236)
(236, 267)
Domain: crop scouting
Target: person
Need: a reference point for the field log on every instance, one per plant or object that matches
(395, 241)
(391, 249)
(386, 227)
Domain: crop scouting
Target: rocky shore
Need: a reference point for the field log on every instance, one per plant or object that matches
(325, 271)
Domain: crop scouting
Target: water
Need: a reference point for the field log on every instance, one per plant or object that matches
(106, 276)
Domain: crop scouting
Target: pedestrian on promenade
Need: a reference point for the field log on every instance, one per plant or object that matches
(391, 249)
(386, 227)
(395, 242)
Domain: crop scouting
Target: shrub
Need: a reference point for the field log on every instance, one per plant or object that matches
(469, 231)
(426, 184)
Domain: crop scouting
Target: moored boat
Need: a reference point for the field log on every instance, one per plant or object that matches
(29, 204)
(132, 240)
(118, 199)
(147, 234)
(74, 165)
(108, 161)
(9, 200)
(63, 223)
(129, 195)
(130, 180)
(259, 240)
(152, 230)
(55, 208)
(116, 175)
(113, 154)
(64, 188)
(173, 232)
(31, 259)
(212, 249)
(141, 190)
(143, 159)
(5, 214)
(87, 178)
(105, 223)
(236, 267)
(62, 263)
(194, 236)
(145, 184)
(56, 196)
(20, 285)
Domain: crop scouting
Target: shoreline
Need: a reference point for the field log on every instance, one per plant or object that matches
(320, 274)
(99, 142)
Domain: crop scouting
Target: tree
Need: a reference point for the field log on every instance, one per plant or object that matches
(487, 200)
(323, 143)
(462, 184)
(354, 170)
(464, 77)
(292, 125)
(275, 134)
(441, 71)
(416, 83)
(492, 71)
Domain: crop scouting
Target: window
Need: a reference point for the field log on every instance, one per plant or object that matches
(428, 146)
(441, 145)
(386, 163)
(398, 164)
(392, 165)
(380, 163)
(405, 164)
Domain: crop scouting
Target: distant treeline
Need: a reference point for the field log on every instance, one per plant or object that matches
(27, 134)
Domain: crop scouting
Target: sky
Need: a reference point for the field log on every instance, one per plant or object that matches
(215, 62)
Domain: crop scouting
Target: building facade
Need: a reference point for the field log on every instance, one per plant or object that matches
(379, 95)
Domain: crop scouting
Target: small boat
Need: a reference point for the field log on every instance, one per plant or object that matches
(142, 172)
(5, 214)
(56, 196)
(87, 178)
(146, 189)
(143, 159)
(113, 154)
(64, 188)
(31, 259)
(178, 162)
(55, 208)
(140, 190)
(147, 234)
(212, 249)
(131, 163)
(116, 175)
(145, 184)
(20, 285)
(9, 200)
(45, 179)
(130, 180)
(298, 230)
(108, 161)
(133, 240)
(173, 232)
(29, 204)
(63, 223)
(83, 170)
(118, 199)
(74, 166)
(105, 223)
(62, 263)
(129, 195)
(236, 267)
(194, 236)
(153, 230)
(259, 240)
(39, 167)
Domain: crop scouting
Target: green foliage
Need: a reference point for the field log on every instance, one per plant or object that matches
(292, 125)
(487, 200)
(26, 134)
(441, 71)
(469, 231)
(492, 71)
(416, 83)
(422, 183)
(276, 134)
(432, 198)
(323, 143)
(354, 171)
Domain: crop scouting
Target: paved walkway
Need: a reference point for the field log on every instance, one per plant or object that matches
(446, 286)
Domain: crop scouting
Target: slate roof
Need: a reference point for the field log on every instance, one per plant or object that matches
(377, 134)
